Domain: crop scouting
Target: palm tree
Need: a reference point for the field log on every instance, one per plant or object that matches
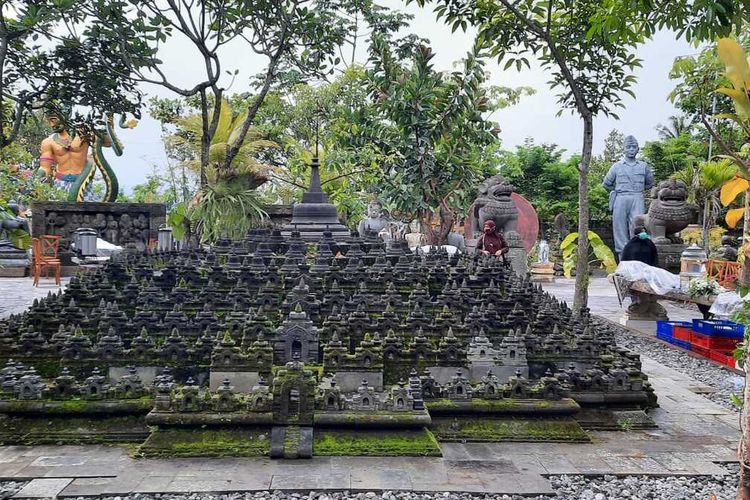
(704, 181)
(229, 204)
(677, 126)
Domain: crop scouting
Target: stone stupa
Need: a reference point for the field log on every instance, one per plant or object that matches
(315, 214)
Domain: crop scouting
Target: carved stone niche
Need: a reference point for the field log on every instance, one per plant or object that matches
(123, 224)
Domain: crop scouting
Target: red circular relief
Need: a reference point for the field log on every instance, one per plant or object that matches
(528, 221)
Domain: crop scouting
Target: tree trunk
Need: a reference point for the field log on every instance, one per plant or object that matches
(743, 450)
(581, 293)
(205, 139)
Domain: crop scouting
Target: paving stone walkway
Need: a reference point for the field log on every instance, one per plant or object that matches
(693, 435)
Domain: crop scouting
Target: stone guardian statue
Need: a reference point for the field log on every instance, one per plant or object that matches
(626, 181)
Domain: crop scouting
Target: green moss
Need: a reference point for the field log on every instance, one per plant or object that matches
(441, 404)
(406, 443)
(493, 430)
(72, 430)
(207, 443)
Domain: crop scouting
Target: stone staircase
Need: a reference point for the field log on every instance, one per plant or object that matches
(291, 441)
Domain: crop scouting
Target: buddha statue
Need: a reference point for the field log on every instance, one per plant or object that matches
(414, 238)
(374, 222)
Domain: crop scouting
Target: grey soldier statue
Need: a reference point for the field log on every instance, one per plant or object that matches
(626, 181)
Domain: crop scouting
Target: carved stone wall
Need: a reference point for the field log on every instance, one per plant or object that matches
(117, 223)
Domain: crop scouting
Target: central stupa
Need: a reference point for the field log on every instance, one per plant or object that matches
(315, 213)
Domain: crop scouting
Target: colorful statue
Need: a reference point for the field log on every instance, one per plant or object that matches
(626, 181)
(65, 155)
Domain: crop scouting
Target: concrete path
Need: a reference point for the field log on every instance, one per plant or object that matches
(693, 435)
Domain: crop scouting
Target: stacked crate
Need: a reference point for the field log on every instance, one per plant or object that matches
(712, 339)
(716, 339)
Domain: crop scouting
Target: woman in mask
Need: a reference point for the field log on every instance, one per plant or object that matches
(491, 242)
(641, 248)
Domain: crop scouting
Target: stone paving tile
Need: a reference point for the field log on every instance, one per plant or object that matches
(43, 488)
(312, 481)
(380, 479)
(19, 293)
(187, 485)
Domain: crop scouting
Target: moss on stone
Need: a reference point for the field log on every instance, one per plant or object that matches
(72, 430)
(207, 443)
(494, 430)
(408, 443)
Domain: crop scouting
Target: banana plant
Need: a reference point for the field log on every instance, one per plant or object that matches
(737, 72)
(603, 253)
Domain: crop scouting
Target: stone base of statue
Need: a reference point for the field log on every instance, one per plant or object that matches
(13, 262)
(669, 256)
(517, 253)
(543, 272)
(644, 311)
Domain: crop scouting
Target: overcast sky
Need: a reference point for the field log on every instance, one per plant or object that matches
(533, 117)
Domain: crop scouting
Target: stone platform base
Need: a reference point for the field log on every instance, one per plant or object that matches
(639, 324)
(13, 272)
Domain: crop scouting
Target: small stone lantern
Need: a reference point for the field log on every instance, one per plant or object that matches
(85, 241)
(692, 265)
(165, 241)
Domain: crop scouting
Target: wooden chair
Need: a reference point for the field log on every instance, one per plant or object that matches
(45, 257)
(724, 272)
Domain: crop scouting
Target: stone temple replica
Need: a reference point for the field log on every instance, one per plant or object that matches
(273, 346)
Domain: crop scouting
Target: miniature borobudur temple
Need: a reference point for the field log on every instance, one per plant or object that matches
(271, 346)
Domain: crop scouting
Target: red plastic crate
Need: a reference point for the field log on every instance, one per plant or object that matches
(703, 351)
(713, 342)
(681, 332)
(724, 357)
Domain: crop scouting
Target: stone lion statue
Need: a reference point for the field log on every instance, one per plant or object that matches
(669, 212)
(494, 203)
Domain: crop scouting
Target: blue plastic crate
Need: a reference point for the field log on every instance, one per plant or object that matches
(682, 343)
(665, 334)
(719, 328)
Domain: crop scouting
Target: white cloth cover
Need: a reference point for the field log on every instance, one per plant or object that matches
(660, 280)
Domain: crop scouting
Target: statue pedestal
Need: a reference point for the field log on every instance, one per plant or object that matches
(517, 253)
(543, 272)
(643, 312)
(669, 256)
(13, 262)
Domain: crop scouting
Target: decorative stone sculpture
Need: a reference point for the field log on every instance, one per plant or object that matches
(494, 203)
(374, 222)
(626, 181)
(13, 260)
(668, 214)
(727, 251)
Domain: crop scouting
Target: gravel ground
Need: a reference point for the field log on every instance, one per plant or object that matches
(9, 488)
(725, 382)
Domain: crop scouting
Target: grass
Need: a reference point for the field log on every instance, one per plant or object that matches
(207, 443)
(494, 430)
(407, 443)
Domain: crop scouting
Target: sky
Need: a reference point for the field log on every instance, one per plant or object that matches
(533, 117)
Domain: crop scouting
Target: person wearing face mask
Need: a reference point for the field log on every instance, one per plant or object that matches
(641, 248)
(491, 242)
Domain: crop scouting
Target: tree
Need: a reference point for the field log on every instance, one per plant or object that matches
(40, 68)
(292, 35)
(677, 126)
(538, 173)
(591, 70)
(434, 127)
(737, 71)
(674, 154)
